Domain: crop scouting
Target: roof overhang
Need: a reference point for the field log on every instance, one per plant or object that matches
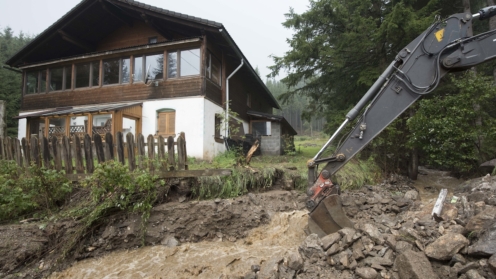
(79, 110)
(271, 117)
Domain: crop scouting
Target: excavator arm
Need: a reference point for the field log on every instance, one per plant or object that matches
(416, 71)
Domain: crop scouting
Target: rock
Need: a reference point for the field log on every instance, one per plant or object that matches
(390, 241)
(285, 272)
(486, 245)
(294, 261)
(358, 250)
(347, 234)
(366, 273)
(414, 265)
(476, 197)
(445, 247)
(312, 245)
(473, 274)
(330, 239)
(411, 195)
(333, 250)
(467, 267)
(455, 229)
(270, 269)
(253, 198)
(457, 259)
(170, 241)
(373, 233)
(481, 220)
(450, 212)
(492, 263)
(402, 246)
(378, 261)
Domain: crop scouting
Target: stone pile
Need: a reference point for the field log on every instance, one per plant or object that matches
(395, 237)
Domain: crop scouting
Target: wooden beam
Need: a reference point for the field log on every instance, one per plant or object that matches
(117, 14)
(77, 42)
(149, 21)
(167, 174)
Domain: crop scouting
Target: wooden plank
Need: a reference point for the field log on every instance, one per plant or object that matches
(438, 207)
(66, 151)
(110, 143)
(170, 174)
(8, 148)
(27, 152)
(2, 149)
(183, 135)
(130, 151)
(35, 151)
(151, 152)
(97, 139)
(180, 153)
(45, 152)
(78, 154)
(88, 154)
(56, 154)
(120, 147)
(141, 150)
(170, 151)
(18, 152)
(161, 153)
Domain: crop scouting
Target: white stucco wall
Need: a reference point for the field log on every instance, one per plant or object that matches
(211, 148)
(21, 131)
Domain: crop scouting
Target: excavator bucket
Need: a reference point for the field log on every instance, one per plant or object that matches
(328, 217)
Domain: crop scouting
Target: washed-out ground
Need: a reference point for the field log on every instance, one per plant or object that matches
(261, 235)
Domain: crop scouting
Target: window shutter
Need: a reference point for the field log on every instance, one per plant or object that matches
(166, 123)
(171, 123)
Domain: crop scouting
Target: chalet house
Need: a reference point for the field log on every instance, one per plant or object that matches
(121, 65)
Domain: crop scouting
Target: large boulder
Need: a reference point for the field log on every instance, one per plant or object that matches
(492, 263)
(311, 246)
(482, 220)
(445, 247)
(414, 265)
(486, 245)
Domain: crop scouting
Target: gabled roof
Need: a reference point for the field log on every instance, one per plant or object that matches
(91, 20)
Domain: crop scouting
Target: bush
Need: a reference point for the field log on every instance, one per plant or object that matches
(24, 191)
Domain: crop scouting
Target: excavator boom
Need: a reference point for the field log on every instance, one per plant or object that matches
(416, 71)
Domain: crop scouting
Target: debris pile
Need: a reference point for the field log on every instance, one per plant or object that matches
(395, 236)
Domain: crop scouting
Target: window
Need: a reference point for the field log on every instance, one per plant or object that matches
(187, 61)
(116, 71)
(56, 79)
(261, 128)
(166, 122)
(218, 125)
(213, 69)
(43, 81)
(32, 84)
(152, 40)
(153, 65)
(87, 74)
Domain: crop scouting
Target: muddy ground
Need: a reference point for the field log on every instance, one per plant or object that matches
(260, 235)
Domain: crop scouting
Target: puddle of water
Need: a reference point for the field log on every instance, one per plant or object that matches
(430, 182)
(199, 260)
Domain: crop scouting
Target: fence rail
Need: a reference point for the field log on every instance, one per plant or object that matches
(78, 157)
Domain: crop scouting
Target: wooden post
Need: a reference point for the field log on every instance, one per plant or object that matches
(97, 139)
(130, 151)
(35, 151)
(140, 139)
(78, 154)
(438, 207)
(27, 152)
(88, 154)
(2, 148)
(110, 143)
(8, 149)
(170, 151)
(183, 135)
(151, 151)
(180, 153)
(45, 152)
(66, 150)
(120, 147)
(161, 153)
(56, 154)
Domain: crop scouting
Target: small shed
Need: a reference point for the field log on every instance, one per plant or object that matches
(275, 133)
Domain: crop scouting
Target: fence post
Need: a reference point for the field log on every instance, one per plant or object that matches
(183, 135)
(151, 152)
(2, 148)
(56, 154)
(45, 152)
(180, 153)
(140, 142)
(130, 151)
(97, 139)
(66, 150)
(161, 153)
(170, 151)
(120, 147)
(110, 145)
(27, 152)
(35, 151)
(88, 154)
(79, 155)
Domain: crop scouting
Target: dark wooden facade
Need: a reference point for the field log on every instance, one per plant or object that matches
(96, 30)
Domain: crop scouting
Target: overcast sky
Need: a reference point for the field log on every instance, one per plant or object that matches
(255, 25)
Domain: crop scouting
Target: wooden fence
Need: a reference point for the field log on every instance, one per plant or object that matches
(78, 157)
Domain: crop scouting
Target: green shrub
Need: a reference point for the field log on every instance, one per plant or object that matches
(357, 173)
(24, 191)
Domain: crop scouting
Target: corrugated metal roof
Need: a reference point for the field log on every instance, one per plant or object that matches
(81, 109)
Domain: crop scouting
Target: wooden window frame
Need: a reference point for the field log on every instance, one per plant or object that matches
(178, 60)
(208, 68)
(166, 113)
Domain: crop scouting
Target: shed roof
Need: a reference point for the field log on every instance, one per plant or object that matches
(272, 117)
